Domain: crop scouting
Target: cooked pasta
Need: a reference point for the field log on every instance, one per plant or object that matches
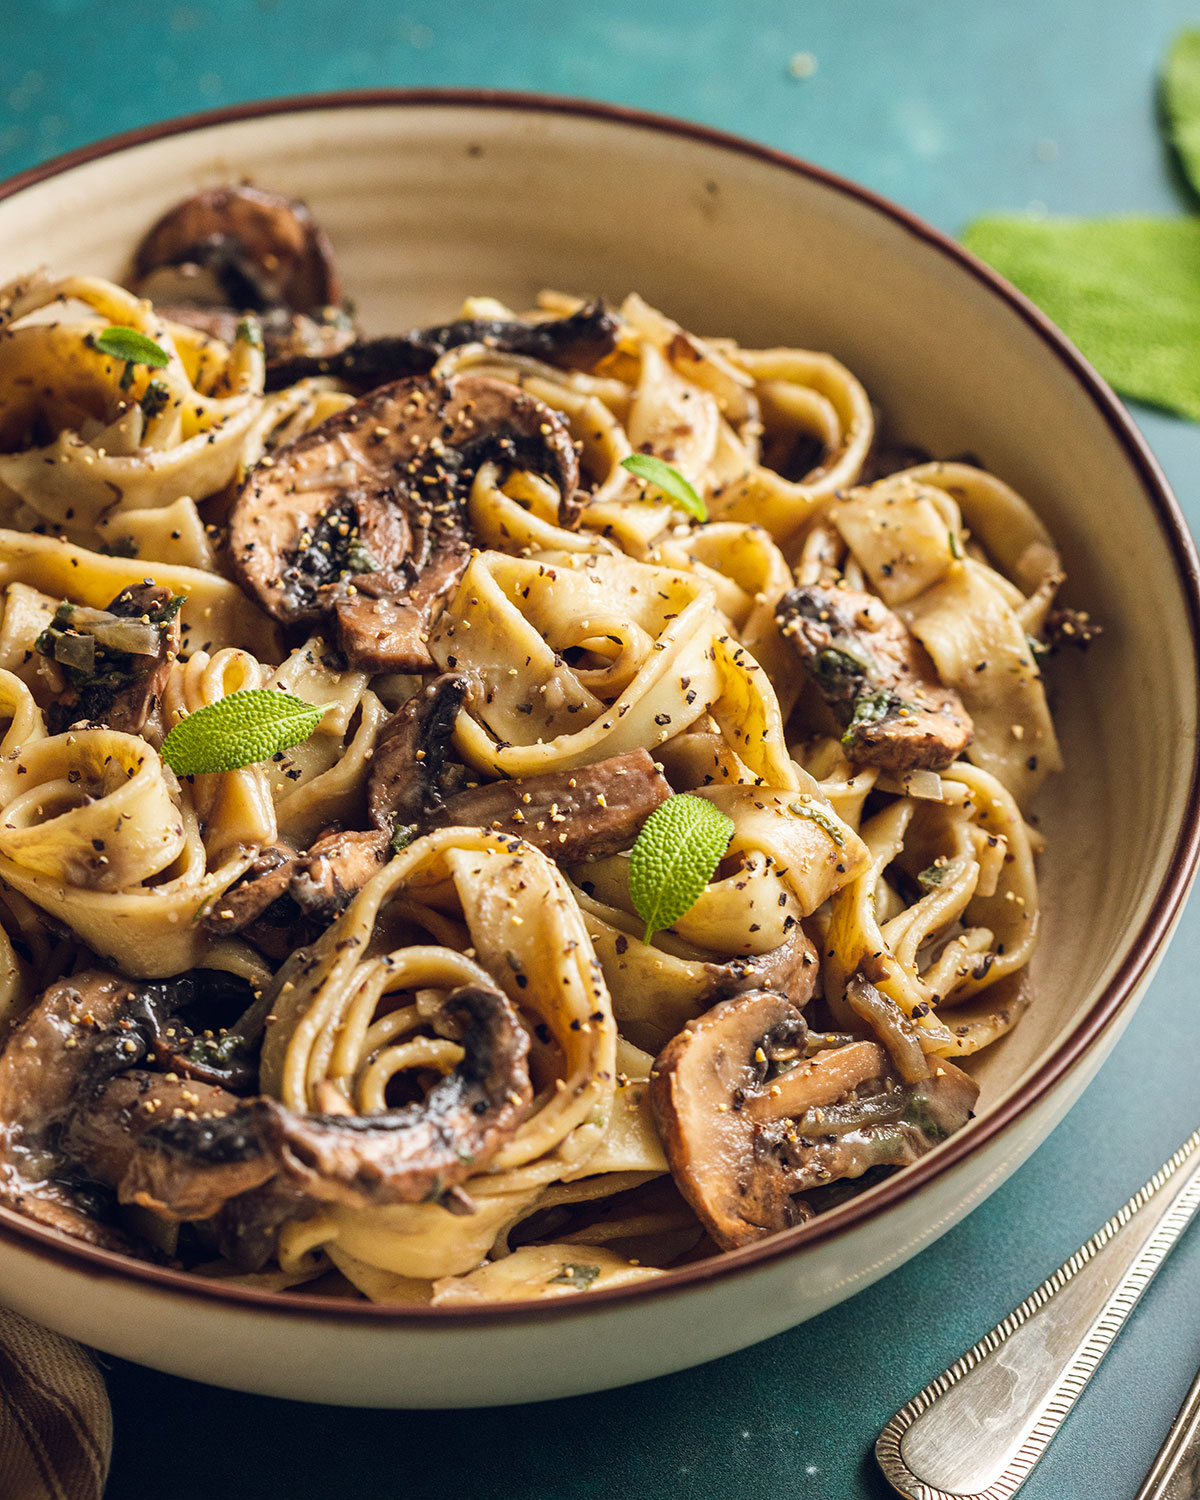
(380, 1003)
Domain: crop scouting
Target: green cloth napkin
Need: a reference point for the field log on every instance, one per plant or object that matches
(1125, 290)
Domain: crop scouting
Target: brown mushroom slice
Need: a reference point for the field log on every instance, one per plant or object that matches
(262, 250)
(790, 970)
(587, 813)
(286, 335)
(265, 881)
(109, 666)
(335, 869)
(65, 1038)
(578, 341)
(190, 1168)
(877, 679)
(103, 1131)
(363, 519)
(749, 1125)
(411, 770)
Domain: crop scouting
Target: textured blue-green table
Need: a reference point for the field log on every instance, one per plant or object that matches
(952, 107)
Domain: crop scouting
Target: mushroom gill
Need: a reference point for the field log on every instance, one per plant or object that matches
(751, 1124)
(362, 521)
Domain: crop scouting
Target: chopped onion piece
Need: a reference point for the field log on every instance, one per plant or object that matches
(78, 651)
(132, 636)
(924, 784)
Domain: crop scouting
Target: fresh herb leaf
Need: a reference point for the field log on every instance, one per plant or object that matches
(249, 331)
(402, 835)
(154, 397)
(932, 875)
(663, 477)
(870, 708)
(1181, 99)
(131, 346)
(1123, 289)
(821, 819)
(247, 727)
(679, 847)
(569, 1274)
(956, 550)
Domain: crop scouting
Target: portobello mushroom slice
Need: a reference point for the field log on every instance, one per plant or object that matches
(189, 1168)
(65, 1041)
(750, 1125)
(790, 970)
(578, 341)
(109, 666)
(877, 679)
(362, 521)
(286, 335)
(413, 770)
(103, 1131)
(287, 897)
(570, 816)
(335, 869)
(81, 1038)
(259, 251)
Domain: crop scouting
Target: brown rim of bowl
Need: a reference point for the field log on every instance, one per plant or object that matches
(105, 1264)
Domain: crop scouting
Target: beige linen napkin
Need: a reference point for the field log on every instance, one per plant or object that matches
(55, 1420)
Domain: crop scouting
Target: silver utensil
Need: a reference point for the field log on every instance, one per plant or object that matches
(976, 1431)
(1176, 1471)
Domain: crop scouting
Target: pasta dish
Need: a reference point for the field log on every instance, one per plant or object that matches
(493, 811)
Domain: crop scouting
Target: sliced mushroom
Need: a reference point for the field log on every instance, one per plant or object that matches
(286, 335)
(335, 869)
(412, 772)
(61, 1063)
(190, 1168)
(363, 519)
(260, 249)
(877, 679)
(790, 970)
(587, 813)
(104, 1129)
(65, 1042)
(109, 666)
(267, 880)
(287, 897)
(750, 1125)
(574, 815)
(577, 342)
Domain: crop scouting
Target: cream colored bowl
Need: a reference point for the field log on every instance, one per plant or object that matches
(430, 196)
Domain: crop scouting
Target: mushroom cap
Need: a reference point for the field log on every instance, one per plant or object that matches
(699, 1089)
(190, 1166)
(364, 517)
(750, 1124)
(861, 655)
(265, 250)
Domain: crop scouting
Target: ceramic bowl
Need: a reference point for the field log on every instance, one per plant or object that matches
(429, 196)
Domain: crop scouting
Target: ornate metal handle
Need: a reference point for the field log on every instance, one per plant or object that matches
(976, 1431)
(1176, 1471)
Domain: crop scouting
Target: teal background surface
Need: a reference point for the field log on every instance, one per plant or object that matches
(954, 108)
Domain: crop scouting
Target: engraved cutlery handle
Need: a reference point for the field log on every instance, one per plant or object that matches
(976, 1431)
(1176, 1471)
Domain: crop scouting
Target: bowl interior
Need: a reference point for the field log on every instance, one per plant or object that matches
(425, 204)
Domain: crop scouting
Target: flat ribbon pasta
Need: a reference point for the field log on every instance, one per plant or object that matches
(529, 940)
